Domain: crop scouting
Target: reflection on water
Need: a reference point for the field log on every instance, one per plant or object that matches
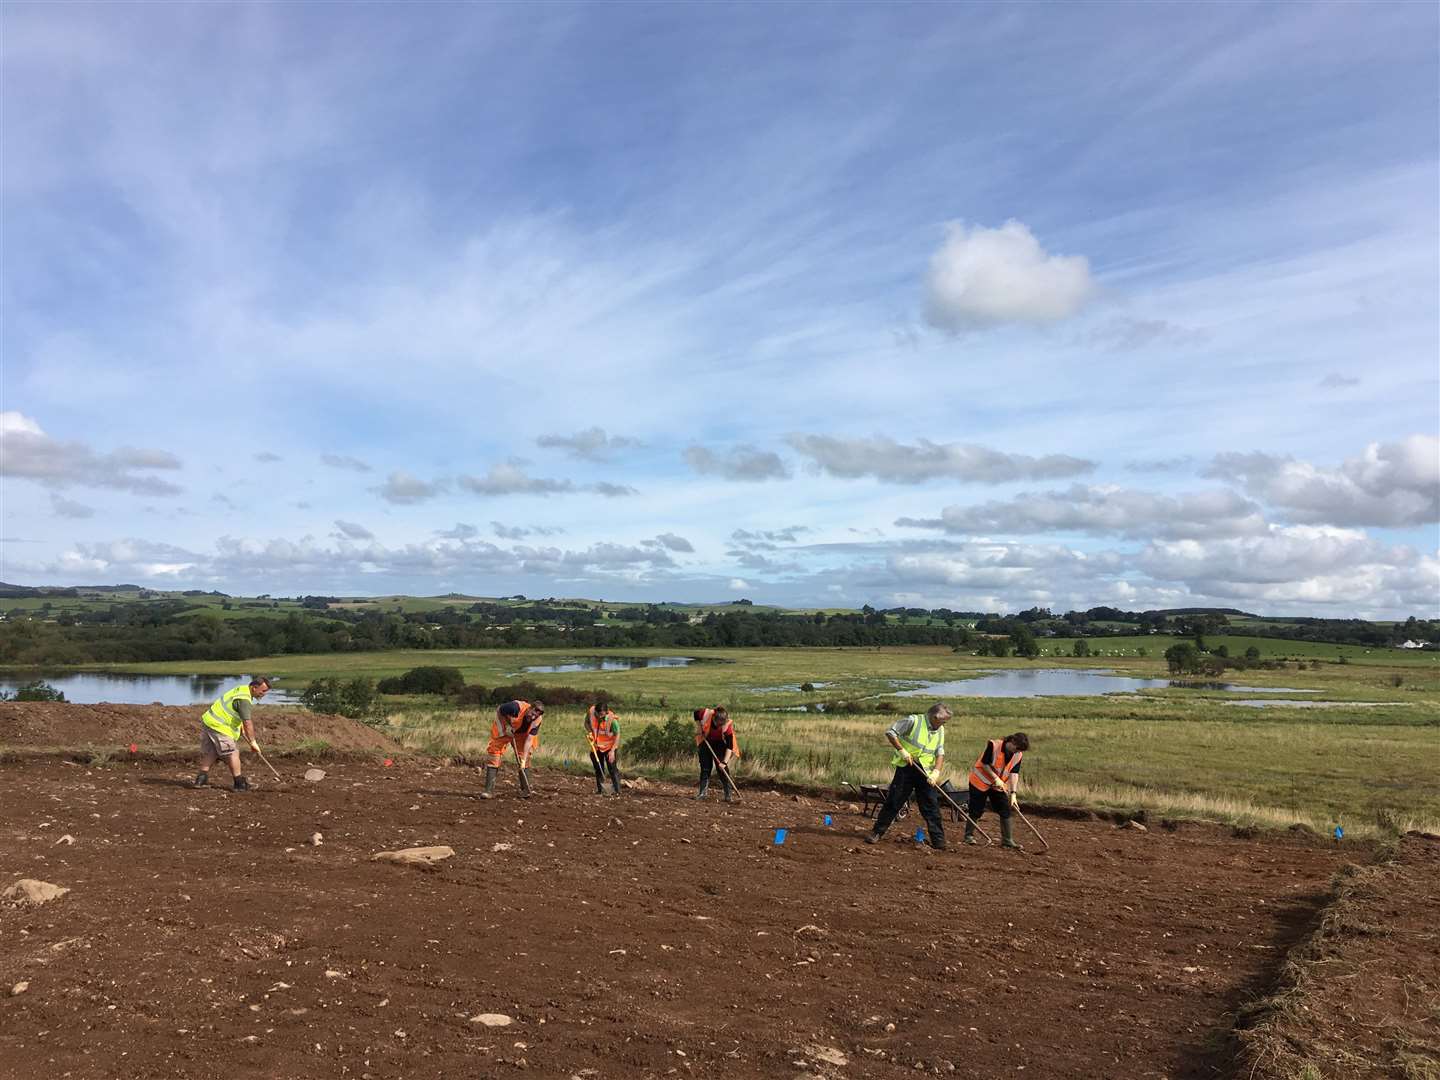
(1065, 682)
(1282, 703)
(609, 663)
(90, 688)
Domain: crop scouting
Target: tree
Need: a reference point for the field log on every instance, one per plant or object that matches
(1182, 658)
(1080, 648)
(1252, 653)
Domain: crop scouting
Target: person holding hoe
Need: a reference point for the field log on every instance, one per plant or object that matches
(715, 743)
(229, 717)
(919, 743)
(995, 778)
(516, 726)
(602, 732)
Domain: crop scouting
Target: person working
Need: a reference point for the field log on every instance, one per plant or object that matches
(602, 730)
(715, 742)
(517, 724)
(228, 717)
(995, 778)
(919, 743)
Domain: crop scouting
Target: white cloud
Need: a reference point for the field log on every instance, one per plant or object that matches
(738, 584)
(64, 507)
(1389, 484)
(885, 459)
(744, 463)
(344, 461)
(519, 532)
(1103, 511)
(612, 491)
(28, 453)
(592, 444)
(511, 478)
(403, 489)
(982, 277)
(672, 542)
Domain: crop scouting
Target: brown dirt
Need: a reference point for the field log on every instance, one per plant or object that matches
(1363, 998)
(158, 729)
(646, 936)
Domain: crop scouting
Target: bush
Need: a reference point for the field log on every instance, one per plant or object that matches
(674, 739)
(425, 680)
(477, 695)
(1080, 648)
(353, 698)
(807, 687)
(34, 691)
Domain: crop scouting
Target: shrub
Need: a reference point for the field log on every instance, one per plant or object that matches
(353, 698)
(425, 680)
(1080, 648)
(807, 687)
(35, 691)
(674, 739)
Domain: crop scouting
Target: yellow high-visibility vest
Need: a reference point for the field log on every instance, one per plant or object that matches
(224, 719)
(924, 743)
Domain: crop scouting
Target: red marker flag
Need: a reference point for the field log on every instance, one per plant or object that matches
(134, 748)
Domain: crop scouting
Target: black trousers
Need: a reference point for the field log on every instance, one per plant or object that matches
(1000, 803)
(908, 780)
(600, 761)
(707, 763)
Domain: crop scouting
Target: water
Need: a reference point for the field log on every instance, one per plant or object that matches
(1282, 703)
(91, 688)
(1065, 682)
(609, 663)
(788, 688)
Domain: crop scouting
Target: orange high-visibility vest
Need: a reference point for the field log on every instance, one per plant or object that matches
(707, 725)
(520, 719)
(601, 730)
(980, 773)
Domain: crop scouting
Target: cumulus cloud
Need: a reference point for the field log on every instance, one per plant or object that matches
(403, 489)
(738, 584)
(1103, 511)
(745, 463)
(343, 461)
(998, 566)
(592, 444)
(28, 453)
(511, 478)
(672, 542)
(349, 530)
(67, 508)
(982, 277)
(885, 459)
(1389, 484)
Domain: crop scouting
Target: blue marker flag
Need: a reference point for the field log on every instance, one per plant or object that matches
(827, 819)
(780, 836)
(1339, 833)
(919, 836)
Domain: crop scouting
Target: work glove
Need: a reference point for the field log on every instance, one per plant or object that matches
(254, 746)
(908, 759)
(1014, 801)
(934, 775)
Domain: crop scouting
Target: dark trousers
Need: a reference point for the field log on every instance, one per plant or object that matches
(707, 763)
(908, 780)
(999, 802)
(602, 760)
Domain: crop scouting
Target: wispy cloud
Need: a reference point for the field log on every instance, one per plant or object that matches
(349, 530)
(344, 461)
(591, 444)
(744, 463)
(403, 489)
(885, 459)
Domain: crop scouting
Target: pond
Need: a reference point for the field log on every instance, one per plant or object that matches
(93, 687)
(613, 663)
(1065, 682)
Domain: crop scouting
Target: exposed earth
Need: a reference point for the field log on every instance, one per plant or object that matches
(205, 934)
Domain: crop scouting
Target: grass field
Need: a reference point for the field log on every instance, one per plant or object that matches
(1179, 751)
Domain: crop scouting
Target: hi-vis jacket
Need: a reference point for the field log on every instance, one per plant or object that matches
(983, 776)
(603, 729)
(223, 717)
(711, 731)
(924, 743)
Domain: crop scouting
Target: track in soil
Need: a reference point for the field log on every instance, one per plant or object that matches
(641, 936)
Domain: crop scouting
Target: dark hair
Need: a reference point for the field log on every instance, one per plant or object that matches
(256, 680)
(722, 713)
(1019, 740)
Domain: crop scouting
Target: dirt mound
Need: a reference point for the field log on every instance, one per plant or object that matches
(1361, 1000)
(163, 728)
(646, 936)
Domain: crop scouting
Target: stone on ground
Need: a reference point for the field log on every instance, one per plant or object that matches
(491, 1019)
(32, 893)
(415, 856)
(314, 775)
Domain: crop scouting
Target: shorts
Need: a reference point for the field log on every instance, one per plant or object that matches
(212, 742)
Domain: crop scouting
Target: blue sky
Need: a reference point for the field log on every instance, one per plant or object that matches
(981, 306)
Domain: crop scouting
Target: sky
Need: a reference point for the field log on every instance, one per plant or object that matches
(975, 306)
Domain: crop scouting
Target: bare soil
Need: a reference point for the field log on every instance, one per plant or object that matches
(640, 936)
(161, 729)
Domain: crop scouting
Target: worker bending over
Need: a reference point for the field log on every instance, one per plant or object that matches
(517, 724)
(919, 743)
(995, 778)
(223, 723)
(602, 731)
(715, 742)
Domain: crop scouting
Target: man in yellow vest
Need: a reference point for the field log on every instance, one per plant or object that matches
(995, 778)
(227, 719)
(919, 743)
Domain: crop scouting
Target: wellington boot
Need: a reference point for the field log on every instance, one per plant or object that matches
(242, 784)
(489, 792)
(614, 782)
(1007, 834)
(969, 834)
(704, 787)
(599, 787)
(202, 779)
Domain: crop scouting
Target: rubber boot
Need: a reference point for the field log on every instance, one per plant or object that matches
(489, 792)
(1007, 833)
(970, 834)
(599, 786)
(242, 784)
(202, 779)
(615, 779)
(704, 787)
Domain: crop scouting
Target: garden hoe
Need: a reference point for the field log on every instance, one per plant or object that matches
(256, 748)
(519, 764)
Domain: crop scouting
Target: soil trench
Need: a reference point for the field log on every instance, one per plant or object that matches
(647, 935)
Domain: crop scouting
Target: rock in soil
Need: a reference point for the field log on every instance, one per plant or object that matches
(415, 856)
(491, 1020)
(314, 775)
(29, 892)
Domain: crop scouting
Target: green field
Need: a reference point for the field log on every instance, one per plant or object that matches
(1178, 751)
